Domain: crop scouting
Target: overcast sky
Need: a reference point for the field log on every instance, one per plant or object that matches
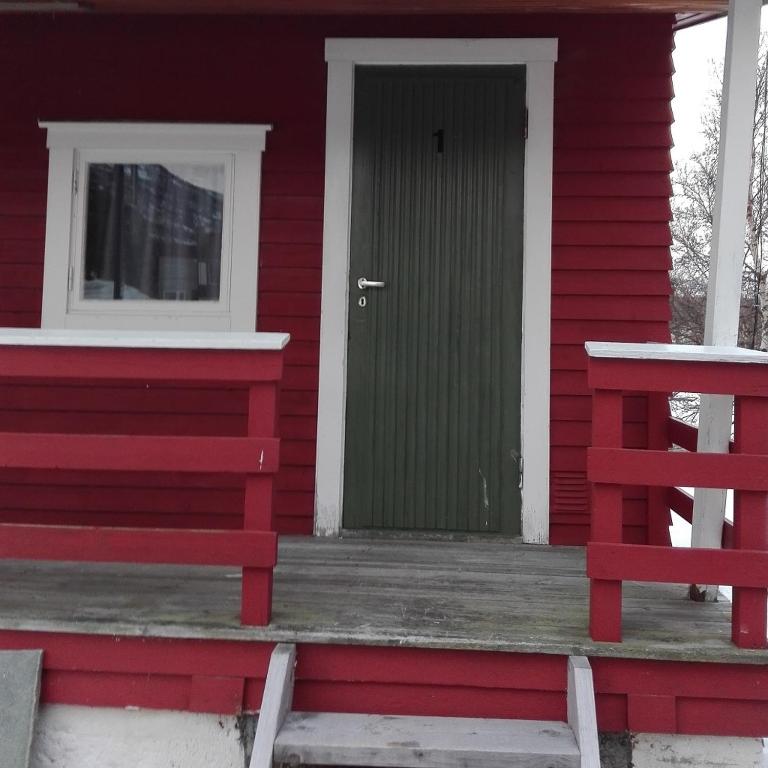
(695, 50)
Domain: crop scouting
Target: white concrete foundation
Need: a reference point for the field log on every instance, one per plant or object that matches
(651, 750)
(90, 737)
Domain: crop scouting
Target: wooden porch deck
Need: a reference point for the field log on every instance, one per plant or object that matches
(482, 594)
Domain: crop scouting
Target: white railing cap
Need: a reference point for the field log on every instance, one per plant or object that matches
(233, 340)
(675, 352)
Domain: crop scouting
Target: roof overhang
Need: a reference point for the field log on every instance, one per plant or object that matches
(688, 11)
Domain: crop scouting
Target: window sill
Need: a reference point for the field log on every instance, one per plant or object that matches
(46, 337)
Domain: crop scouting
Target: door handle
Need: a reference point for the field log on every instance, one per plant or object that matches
(363, 283)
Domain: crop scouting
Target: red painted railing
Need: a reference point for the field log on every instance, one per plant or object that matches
(253, 456)
(614, 370)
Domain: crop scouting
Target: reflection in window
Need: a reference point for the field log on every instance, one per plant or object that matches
(154, 232)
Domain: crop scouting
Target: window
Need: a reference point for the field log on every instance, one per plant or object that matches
(152, 226)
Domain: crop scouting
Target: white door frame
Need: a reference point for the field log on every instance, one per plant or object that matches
(539, 56)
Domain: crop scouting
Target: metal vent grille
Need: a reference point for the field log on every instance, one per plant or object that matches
(570, 492)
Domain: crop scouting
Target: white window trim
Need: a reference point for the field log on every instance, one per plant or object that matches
(342, 55)
(239, 145)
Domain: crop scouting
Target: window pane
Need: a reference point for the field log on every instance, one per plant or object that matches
(153, 231)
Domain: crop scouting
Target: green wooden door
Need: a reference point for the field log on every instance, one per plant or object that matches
(433, 391)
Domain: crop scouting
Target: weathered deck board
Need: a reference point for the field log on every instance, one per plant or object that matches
(482, 594)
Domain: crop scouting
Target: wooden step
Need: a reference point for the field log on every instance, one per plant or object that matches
(311, 738)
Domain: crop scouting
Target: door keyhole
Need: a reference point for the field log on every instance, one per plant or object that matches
(439, 134)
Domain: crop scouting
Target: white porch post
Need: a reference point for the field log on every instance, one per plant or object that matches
(727, 250)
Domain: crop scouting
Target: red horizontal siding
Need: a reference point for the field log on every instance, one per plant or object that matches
(612, 184)
(611, 231)
(209, 676)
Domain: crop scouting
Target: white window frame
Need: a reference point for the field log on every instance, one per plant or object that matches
(73, 145)
(343, 55)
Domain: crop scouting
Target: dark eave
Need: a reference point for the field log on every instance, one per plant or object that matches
(688, 11)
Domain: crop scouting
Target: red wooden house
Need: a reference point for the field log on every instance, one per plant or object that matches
(325, 271)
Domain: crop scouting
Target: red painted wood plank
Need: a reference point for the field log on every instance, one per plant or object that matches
(563, 357)
(659, 518)
(90, 397)
(20, 319)
(435, 700)
(290, 255)
(164, 423)
(616, 110)
(212, 519)
(610, 282)
(287, 231)
(137, 453)
(257, 549)
(289, 279)
(298, 428)
(579, 408)
(79, 669)
(30, 228)
(604, 209)
(298, 403)
(677, 565)
(619, 258)
(677, 376)
(416, 666)
(681, 503)
(300, 377)
(277, 183)
(571, 432)
(14, 251)
(295, 526)
(295, 479)
(605, 610)
(67, 652)
(746, 718)
(146, 365)
(611, 233)
(631, 160)
(683, 435)
(300, 328)
(302, 353)
(588, 55)
(578, 331)
(295, 503)
(20, 275)
(298, 452)
(608, 135)
(25, 299)
(569, 383)
(676, 468)
(591, 183)
(639, 308)
(294, 304)
(691, 680)
(651, 714)
(305, 207)
(606, 83)
(216, 694)
(15, 202)
(750, 523)
(121, 498)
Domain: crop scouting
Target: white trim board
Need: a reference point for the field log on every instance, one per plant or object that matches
(68, 337)
(675, 352)
(342, 55)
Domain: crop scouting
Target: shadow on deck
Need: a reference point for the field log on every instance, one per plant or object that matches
(483, 595)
